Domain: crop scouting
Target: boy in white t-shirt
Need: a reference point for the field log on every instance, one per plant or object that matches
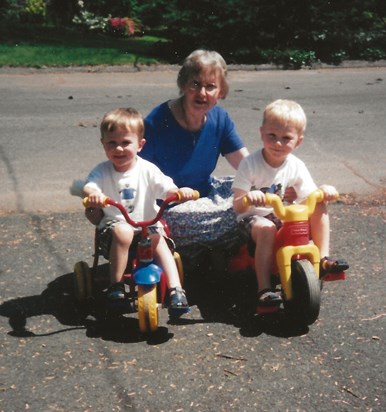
(275, 169)
(136, 183)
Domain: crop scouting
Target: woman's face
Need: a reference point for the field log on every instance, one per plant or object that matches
(202, 92)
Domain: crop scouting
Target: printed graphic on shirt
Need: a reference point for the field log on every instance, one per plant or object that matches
(275, 189)
(127, 197)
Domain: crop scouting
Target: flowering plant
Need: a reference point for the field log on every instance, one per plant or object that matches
(123, 25)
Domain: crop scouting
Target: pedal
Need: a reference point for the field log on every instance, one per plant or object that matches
(331, 277)
(264, 310)
(241, 261)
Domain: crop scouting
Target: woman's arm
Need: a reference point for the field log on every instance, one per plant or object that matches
(236, 157)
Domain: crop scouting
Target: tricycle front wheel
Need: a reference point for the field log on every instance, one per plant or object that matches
(147, 308)
(305, 304)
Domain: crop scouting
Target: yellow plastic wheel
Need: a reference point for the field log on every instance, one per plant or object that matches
(180, 267)
(82, 284)
(147, 308)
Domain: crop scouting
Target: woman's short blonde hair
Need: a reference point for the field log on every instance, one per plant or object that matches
(129, 119)
(203, 60)
(287, 111)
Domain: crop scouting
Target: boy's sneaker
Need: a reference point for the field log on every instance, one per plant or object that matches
(268, 301)
(178, 303)
(116, 292)
(332, 269)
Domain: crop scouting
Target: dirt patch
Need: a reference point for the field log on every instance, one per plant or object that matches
(370, 204)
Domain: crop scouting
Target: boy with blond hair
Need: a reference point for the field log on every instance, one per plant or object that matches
(275, 169)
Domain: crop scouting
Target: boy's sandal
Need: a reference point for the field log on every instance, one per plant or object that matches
(116, 292)
(178, 303)
(268, 299)
(332, 265)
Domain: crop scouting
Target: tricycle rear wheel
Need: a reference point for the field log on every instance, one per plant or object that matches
(180, 267)
(147, 308)
(82, 281)
(304, 307)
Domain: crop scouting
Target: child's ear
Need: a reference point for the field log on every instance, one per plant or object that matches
(141, 144)
(299, 142)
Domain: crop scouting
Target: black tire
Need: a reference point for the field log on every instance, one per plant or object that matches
(304, 307)
(82, 281)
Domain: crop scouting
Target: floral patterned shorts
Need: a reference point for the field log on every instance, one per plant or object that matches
(207, 220)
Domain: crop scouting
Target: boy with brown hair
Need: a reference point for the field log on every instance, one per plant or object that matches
(136, 183)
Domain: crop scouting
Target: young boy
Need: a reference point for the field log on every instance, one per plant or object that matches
(277, 170)
(136, 183)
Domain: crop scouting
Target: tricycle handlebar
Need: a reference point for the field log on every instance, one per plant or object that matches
(289, 212)
(176, 197)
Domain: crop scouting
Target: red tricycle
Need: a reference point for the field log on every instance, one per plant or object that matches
(296, 267)
(145, 280)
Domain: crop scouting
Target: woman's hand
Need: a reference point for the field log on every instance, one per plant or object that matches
(290, 195)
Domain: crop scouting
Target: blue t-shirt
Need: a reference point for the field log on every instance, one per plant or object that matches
(189, 158)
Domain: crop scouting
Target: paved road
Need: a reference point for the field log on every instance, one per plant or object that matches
(56, 356)
(49, 125)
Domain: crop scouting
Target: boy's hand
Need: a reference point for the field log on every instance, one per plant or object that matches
(96, 200)
(330, 193)
(256, 198)
(186, 193)
(290, 195)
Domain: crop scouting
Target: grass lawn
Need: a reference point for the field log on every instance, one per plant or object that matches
(37, 46)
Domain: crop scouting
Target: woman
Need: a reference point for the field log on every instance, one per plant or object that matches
(185, 137)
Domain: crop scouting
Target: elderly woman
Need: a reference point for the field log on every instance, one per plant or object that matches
(185, 137)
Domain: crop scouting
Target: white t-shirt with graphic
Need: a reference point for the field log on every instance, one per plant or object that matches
(254, 173)
(137, 189)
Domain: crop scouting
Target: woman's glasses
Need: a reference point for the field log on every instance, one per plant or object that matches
(196, 86)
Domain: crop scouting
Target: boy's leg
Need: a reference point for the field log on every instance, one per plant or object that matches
(320, 228)
(320, 233)
(122, 237)
(163, 257)
(263, 233)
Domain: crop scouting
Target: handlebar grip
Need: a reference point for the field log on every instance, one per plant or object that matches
(180, 198)
(245, 201)
(86, 202)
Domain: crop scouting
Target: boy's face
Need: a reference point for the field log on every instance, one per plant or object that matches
(279, 140)
(121, 148)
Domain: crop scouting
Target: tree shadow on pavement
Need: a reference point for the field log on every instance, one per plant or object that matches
(58, 300)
